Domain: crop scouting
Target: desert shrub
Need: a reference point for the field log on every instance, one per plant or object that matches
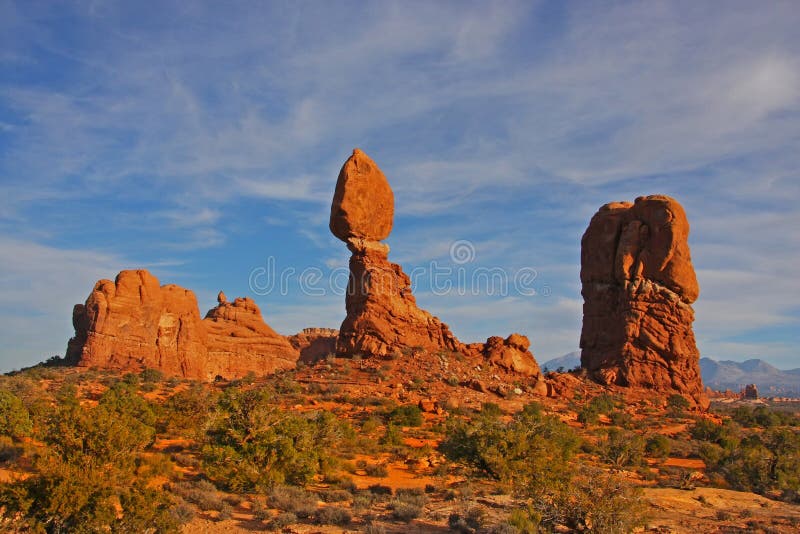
(186, 411)
(534, 454)
(622, 448)
(403, 511)
(182, 513)
(491, 410)
(113, 432)
(15, 420)
(225, 512)
(151, 376)
(121, 399)
(64, 497)
(392, 436)
(468, 522)
(605, 403)
(295, 500)
(376, 470)
(335, 496)
(588, 415)
(658, 446)
(595, 502)
(201, 493)
(370, 425)
(406, 415)
(531, 450)
(621, 419)
(282, 520)
(677, 404)
(333, 515)
(252, 443)
(379, 489)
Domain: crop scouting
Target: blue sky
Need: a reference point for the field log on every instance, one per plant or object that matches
(198, 140)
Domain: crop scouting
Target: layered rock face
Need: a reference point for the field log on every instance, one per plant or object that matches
(134, 323)
(239, 341)
(638, 285)
(314, 344)
(382, 314)
(511, 354)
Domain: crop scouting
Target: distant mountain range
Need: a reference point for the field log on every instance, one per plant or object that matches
(770, 380)
(568, 361)
(721, 375)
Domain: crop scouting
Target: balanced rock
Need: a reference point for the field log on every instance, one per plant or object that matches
(638, 285)
(382, 314)
(134, 323)
(363, 203)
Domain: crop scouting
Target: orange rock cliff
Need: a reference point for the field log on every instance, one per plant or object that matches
(134, 323)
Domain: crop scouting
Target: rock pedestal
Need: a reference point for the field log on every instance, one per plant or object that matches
(382, 314)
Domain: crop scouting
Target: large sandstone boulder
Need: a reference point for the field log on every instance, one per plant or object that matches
(363, 203)
(134, 323)
(638, 285)
(512, 354)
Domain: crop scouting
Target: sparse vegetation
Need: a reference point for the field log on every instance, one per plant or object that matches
(101, 453)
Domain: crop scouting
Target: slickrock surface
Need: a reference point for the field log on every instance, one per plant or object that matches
(134, 323)
(638, 285)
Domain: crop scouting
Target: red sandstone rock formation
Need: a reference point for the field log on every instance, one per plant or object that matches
(638, 285)
(314, 344)
(382, 314)
(239, 341)
(511, 354)
(134, 323)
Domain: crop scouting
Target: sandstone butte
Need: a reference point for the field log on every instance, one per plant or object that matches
(134, 323)
(382, 314)
(638, 286)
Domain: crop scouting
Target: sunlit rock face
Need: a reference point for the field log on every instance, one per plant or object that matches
(133, 323)
(638, 286)
(382, 314)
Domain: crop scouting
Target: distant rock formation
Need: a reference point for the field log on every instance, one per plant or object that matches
(382, 314)
(750, 391)
(134, 323)
(239, 341)
(314, 344)
(638, 285)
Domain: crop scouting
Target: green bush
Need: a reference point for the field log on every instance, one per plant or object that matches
(677, 404)
(251, 443)
(406, 415)
(530, 450)
(151, 376)
(622, 448)
(15, 420)
(658, 446)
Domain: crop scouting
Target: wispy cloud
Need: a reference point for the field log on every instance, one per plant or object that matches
(208, 127)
